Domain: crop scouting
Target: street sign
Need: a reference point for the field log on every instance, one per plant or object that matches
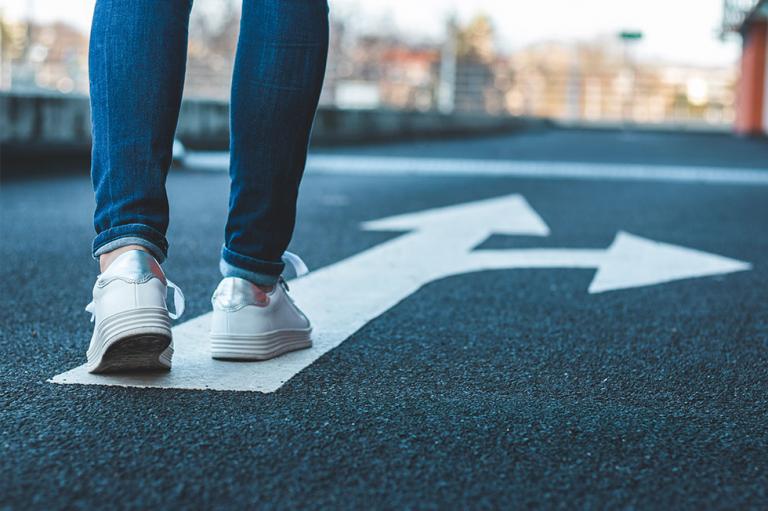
(631, 35)
(438, 243)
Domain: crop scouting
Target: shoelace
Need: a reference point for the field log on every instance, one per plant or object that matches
(178, 303)
(297, 263)
(178, 300)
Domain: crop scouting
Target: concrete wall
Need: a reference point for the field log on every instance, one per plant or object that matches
(39, 122)
(62, 123)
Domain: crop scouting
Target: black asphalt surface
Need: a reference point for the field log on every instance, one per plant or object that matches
(507, 389)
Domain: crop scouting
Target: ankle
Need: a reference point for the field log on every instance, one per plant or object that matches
(266, 289)
(108, 257)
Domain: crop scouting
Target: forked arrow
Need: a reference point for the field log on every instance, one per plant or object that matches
(630, 261)
(341, 298)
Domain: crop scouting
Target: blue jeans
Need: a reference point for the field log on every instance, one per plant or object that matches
(137, 62)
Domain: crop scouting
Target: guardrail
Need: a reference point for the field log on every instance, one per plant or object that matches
(61, 123)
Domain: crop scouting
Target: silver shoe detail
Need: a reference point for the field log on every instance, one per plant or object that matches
(235, 293)
(138, 267)
(133, 267)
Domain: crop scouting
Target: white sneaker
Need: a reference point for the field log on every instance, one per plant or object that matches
(246, 326)
(132, 325)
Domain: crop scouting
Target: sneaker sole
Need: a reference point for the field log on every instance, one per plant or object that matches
(259, 347)
(136, 340)
(136, 353)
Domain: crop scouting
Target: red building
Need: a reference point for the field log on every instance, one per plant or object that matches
(752, 93)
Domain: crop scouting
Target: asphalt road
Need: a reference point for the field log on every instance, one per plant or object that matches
(500, 389)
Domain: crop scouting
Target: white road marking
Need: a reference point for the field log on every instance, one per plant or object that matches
(386, 165)
(439, 244)
(630, 261)
(392, 165)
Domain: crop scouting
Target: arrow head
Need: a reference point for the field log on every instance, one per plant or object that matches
(632, 261)
(510, 214)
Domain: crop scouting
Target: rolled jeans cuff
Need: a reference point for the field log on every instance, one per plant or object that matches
(258, 271)
(131, 234)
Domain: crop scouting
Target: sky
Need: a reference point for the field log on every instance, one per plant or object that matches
(677, 31)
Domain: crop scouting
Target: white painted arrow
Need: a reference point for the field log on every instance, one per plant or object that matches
(341, 298)
(630, 261)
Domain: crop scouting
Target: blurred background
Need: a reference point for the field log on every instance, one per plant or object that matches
(594, 61)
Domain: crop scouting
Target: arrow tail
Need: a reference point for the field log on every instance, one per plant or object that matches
(530, 258)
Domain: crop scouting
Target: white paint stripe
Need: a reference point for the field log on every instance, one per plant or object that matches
(341, 298)
(630, 261)
(386, 165)
(380, 165)
(368, 284)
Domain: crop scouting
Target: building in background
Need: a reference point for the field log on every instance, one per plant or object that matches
(597, 82)
(592, 81)
(36, 57)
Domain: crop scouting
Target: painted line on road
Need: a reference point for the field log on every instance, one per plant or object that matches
(437, 243)
(395, 165)
(379, 165)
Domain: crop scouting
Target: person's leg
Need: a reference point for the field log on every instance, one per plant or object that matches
(278, 74)
(137, 59)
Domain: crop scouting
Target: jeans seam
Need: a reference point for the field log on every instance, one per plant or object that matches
(106, 100)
